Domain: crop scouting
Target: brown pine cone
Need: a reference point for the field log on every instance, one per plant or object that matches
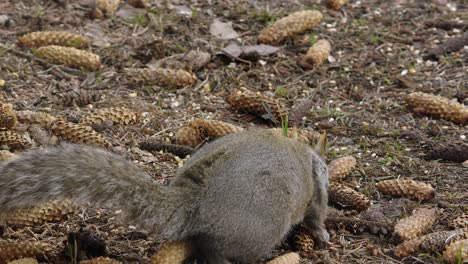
(6, 155)
(436, 242)
(105, 8)
(304, 244)
(69, 56)
(188, 136)
(199, 130)
(42, 119)
(454, 152)
(139, 3)
(258, 104)
(214, 128)
(11, 250)
(162, 77)
(290, 26)
(14, 140)
(346, 197)
(335, 4)
(175, 252)
(340, 168)
(79, 98)
(7, 116)
(407, 188)
(190, 61)
(358, 225)
(47, 212)
(318, 53)
(416, 224)
(461, 221)
(438, 107)
(118, 115)
(455, 251)
(24, 261)
(59, 38)
(100, 260)
(288, 258)
(407, 248)
(76, 133)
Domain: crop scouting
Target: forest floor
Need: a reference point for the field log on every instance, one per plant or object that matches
(358, 94)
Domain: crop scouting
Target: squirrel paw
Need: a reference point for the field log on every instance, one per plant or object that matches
(321, 234)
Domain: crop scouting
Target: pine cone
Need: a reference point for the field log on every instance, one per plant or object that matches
(175, 252)
(438, 107)
(139, 3)
(304, 243)
(13, 140)
(288, 258)
(258, 104)
(461, 221)
(43, 119)
(162, 77)
(100, 260)
(7, 116)
(190, 61)
(407, 188)
(77, 133)
(118, 115)
(69, 56)
(289, 26)
(47, 212)
(436, 242)
(214, 128)
(41, 136)
(455, 152)
(346, 197)
(357, 225)
(105, 8)
(407, 248)
(318, 53)
(78, 97)
(455, 250)
(335, 4)
(59, 38)
(24, 261)
(188, 136)
(200, 130)
(6, 155)
(11, 250)
(415, 225)
(340, 168)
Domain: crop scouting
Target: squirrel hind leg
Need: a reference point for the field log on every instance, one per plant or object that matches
(204, 253)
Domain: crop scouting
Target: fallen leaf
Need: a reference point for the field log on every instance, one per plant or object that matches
(96, 33)
(237, 51)
(129, 12)
(223, 30)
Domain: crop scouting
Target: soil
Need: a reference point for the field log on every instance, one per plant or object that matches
(378, 57)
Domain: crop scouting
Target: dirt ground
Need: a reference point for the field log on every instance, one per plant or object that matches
(358, 94)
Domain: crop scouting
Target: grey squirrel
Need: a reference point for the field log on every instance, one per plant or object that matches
(234, 200)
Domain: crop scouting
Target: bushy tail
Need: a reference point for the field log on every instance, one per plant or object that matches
(89, 175)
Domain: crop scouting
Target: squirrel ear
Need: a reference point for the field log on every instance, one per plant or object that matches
(321, 145)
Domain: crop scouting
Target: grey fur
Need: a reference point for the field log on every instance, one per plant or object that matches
(235, 199)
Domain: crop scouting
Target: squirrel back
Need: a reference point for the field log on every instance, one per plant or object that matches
(235, 199)
(256, 185)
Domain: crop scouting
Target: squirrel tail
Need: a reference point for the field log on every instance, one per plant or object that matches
(88, 175)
